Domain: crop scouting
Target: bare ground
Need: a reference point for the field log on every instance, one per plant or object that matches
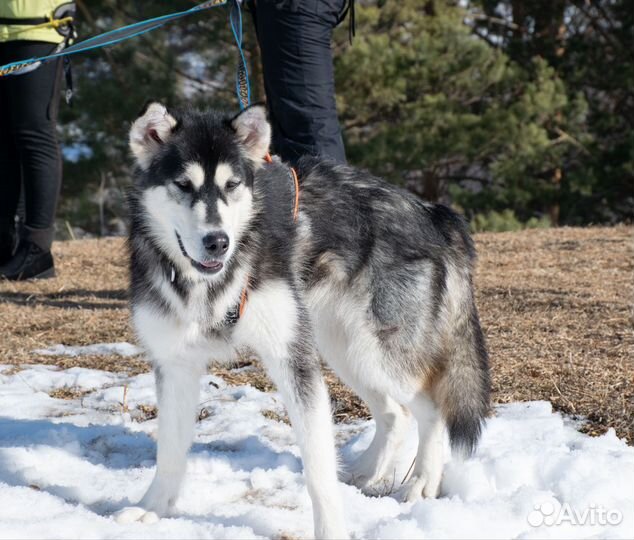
(556, 306)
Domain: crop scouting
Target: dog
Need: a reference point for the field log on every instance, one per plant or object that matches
(230, 253)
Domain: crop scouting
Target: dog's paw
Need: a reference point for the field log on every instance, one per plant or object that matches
(364, 466)
(331, 529)
(417, 487)
(362, 472)
(133, 514)
(155, 504)
(373, 486)
(378, 487)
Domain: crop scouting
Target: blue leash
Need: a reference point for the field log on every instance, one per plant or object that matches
(243, 88)
(124, 33)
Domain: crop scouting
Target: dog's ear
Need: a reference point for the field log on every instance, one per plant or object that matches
(253, 131)
(150, 130)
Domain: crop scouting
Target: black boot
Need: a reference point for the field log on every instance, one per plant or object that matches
(29, 262)
(7, 245)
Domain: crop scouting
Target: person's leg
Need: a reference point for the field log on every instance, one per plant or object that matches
(33, 101)
(10, 176)
(295, 41)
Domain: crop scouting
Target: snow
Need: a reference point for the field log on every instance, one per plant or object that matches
(67, 465)
(121, 349)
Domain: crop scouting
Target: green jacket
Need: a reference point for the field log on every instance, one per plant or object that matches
(28, 9)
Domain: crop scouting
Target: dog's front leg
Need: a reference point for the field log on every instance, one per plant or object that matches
(177, 387)
(276, 326)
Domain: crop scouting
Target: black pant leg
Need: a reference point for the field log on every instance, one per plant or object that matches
(295, 41)
(33, 101)
(10, 172)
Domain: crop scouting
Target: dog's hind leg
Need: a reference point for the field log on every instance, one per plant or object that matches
(178, 395)
(373, 470)
(427, 473)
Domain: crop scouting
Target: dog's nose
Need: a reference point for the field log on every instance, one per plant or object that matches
(216, 243)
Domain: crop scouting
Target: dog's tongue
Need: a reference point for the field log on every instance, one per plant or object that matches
(211, 264)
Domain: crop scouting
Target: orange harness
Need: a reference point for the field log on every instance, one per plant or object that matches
(245, 292)
(269, 159)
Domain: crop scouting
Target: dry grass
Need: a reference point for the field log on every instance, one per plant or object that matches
(68, 392)
(272, 415)
(144, 412)
(557, 309)
(556, 306)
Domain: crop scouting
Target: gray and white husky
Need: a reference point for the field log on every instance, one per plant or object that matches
(366, 276)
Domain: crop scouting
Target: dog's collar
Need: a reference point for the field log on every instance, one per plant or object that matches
(233, 315)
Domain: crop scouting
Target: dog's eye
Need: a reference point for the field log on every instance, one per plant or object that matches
(232, 184)
(184, 185)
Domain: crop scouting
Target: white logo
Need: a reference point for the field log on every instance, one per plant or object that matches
(546, 514)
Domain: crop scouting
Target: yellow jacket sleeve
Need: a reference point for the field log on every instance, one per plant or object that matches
(29, 9)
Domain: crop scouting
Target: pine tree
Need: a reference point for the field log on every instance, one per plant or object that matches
(431, 105)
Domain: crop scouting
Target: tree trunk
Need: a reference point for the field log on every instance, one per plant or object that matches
(431, 187)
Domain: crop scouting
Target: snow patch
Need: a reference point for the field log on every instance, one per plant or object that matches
(104, 349)
(67, 465)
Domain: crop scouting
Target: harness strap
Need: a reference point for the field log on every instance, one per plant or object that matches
(244, 297)
(296, 206)
(57, 24)
(23, 22)
(62, 21)
(269, 159)
(233, 315)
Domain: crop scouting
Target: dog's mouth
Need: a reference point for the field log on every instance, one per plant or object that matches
(210, 266)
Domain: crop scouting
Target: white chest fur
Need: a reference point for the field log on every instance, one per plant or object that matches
(185, 331)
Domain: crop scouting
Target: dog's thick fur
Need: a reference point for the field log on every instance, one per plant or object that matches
(375, 281)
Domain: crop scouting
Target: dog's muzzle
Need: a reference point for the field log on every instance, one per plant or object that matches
(216, 244)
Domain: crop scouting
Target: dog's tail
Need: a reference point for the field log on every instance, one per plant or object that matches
(463, 390)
